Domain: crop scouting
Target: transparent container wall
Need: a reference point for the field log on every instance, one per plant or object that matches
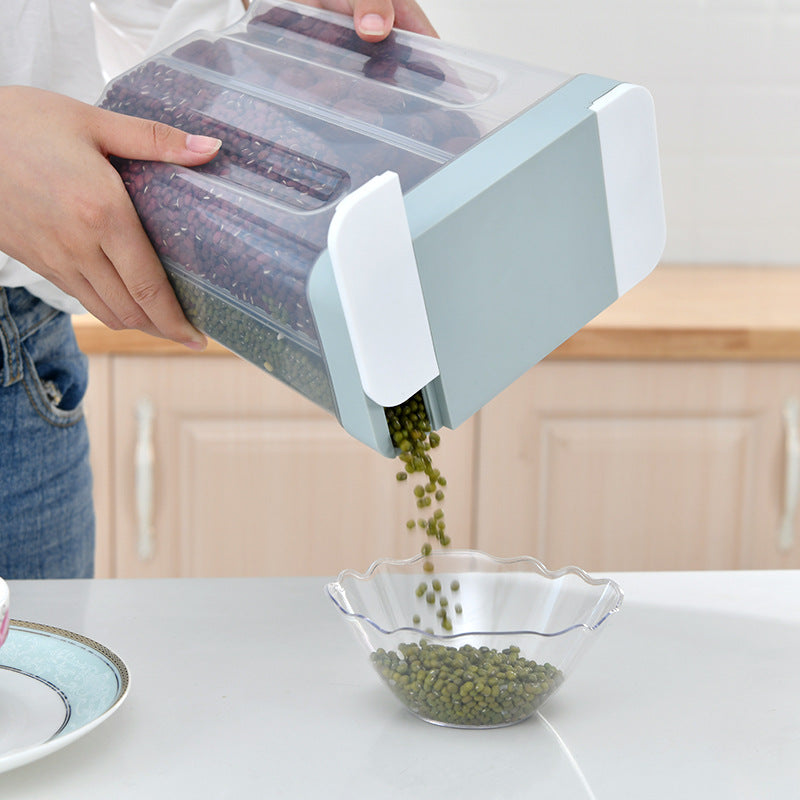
(306, 112)
(413, 86)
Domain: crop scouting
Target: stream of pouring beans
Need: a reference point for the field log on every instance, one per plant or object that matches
(463, 686)
(411, 433)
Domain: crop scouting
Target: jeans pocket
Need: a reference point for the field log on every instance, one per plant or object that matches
(55, 372)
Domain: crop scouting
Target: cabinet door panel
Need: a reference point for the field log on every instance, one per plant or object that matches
(637, 465)
(653, 491)
(281, 496)
(252, 479)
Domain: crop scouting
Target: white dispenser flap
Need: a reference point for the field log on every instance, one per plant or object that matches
(373, 262)
(627, 129)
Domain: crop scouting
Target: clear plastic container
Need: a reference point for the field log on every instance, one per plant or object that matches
(307, 112)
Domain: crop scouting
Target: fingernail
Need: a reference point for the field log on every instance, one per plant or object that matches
(196, 344)
(372, 25)
(202, 144)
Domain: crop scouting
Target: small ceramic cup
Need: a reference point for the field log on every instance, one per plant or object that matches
(4, 611)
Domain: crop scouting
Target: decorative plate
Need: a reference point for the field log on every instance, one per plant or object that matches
(55, 686)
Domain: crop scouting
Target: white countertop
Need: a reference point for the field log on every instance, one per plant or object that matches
(256, 688)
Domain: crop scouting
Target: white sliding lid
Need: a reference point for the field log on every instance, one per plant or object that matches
(627, 128)
(373, 262)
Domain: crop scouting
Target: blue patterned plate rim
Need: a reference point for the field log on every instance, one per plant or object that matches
(91, 679)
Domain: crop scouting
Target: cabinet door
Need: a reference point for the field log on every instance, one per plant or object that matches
(222, 471)
(97, 410)
(635, 466)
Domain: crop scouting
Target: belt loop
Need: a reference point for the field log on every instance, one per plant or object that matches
(9, 342)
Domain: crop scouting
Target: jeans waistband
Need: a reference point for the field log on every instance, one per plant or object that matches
(20, 315)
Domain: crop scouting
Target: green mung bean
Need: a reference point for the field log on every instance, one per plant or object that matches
(412, 436)
(253, 338)
(466, 686)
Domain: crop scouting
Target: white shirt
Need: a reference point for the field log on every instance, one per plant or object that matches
(74, 47)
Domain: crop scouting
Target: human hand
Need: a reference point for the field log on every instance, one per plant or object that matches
(374, 19)
(66, 213)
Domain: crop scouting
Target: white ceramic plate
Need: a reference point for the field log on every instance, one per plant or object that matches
(55, 686)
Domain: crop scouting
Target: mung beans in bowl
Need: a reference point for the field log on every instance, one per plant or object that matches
(479, 642)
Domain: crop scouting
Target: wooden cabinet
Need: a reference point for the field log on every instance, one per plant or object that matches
(641, 465)
(214, 469)
(206, 467)
(663, 435)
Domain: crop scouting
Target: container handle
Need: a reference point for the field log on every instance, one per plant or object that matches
(791, 417)
(144, 464)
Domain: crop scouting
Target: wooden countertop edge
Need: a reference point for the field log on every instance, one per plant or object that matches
(661, 344)
(655, 344)
(94, 338)
(680, 312)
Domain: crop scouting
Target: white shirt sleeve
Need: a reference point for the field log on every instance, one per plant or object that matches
(50, 44)
(127, 32)
(187, 16)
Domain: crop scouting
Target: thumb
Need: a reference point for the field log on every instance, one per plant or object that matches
(373, 19)
(132, 137)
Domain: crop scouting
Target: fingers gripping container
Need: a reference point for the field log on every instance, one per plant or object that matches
(389, 218)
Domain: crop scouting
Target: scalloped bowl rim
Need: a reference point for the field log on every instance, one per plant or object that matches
(333, 586)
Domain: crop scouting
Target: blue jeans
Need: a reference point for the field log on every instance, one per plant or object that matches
(46, 511)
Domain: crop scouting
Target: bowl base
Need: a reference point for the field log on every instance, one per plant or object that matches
(474, 727)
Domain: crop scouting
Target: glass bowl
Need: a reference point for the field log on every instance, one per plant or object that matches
(485, 642)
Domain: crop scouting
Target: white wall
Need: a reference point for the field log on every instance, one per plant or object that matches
(725, 76)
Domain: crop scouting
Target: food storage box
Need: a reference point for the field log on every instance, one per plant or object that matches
(391, 218)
